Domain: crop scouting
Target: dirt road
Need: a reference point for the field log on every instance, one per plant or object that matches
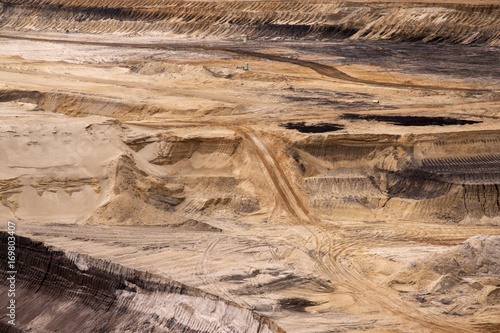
(322, 69)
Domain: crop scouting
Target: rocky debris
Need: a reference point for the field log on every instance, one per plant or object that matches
(478, 256)
(461, 280)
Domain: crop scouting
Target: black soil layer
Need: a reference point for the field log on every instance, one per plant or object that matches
(411, 121)
(459, 61)
(313, 128)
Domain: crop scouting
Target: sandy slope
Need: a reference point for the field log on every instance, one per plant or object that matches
(163, 155)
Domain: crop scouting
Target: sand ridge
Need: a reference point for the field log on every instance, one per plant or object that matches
(342, 185)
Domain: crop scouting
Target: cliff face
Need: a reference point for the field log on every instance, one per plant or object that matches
(58, 291)
(299, 187)
(117, 174)
(169, 176)
(398, 21)
(445, 177)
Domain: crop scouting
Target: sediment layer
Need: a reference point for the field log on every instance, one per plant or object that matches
(416, 178)
(399, 21)
(61, 291)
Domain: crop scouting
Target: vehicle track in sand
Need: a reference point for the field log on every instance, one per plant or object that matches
(334, 245)
(322, 69)
(216, 286)
(340, 272)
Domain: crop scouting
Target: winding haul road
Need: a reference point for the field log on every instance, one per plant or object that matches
(322, 69)
(346, 277)
(331, 247)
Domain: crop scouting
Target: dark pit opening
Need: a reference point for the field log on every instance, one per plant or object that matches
(411, 120)
(313, 128)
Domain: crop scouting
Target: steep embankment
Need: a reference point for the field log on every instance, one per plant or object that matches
(442, 177)
(399, 21)
(100, 170)
(69, 292)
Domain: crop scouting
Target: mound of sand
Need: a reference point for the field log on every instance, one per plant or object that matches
(463, 280)
(170, 70)
(136, 198)
(478, 256)
(195, 225)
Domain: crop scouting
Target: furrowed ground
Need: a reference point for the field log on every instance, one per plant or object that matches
(348, 181)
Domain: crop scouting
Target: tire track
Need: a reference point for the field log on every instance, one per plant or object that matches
(322, 69)
(332, 266)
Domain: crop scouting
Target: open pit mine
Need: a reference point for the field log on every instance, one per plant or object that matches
(249, 166)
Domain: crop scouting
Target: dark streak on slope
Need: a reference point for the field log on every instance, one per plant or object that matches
(322, 69)
(313, 128)
(411, 120)
(449, 23)
(76, 293)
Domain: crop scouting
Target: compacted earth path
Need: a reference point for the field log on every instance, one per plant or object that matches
(250, 166)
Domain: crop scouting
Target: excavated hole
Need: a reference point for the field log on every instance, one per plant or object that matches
(313, 128)
(411, 120)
